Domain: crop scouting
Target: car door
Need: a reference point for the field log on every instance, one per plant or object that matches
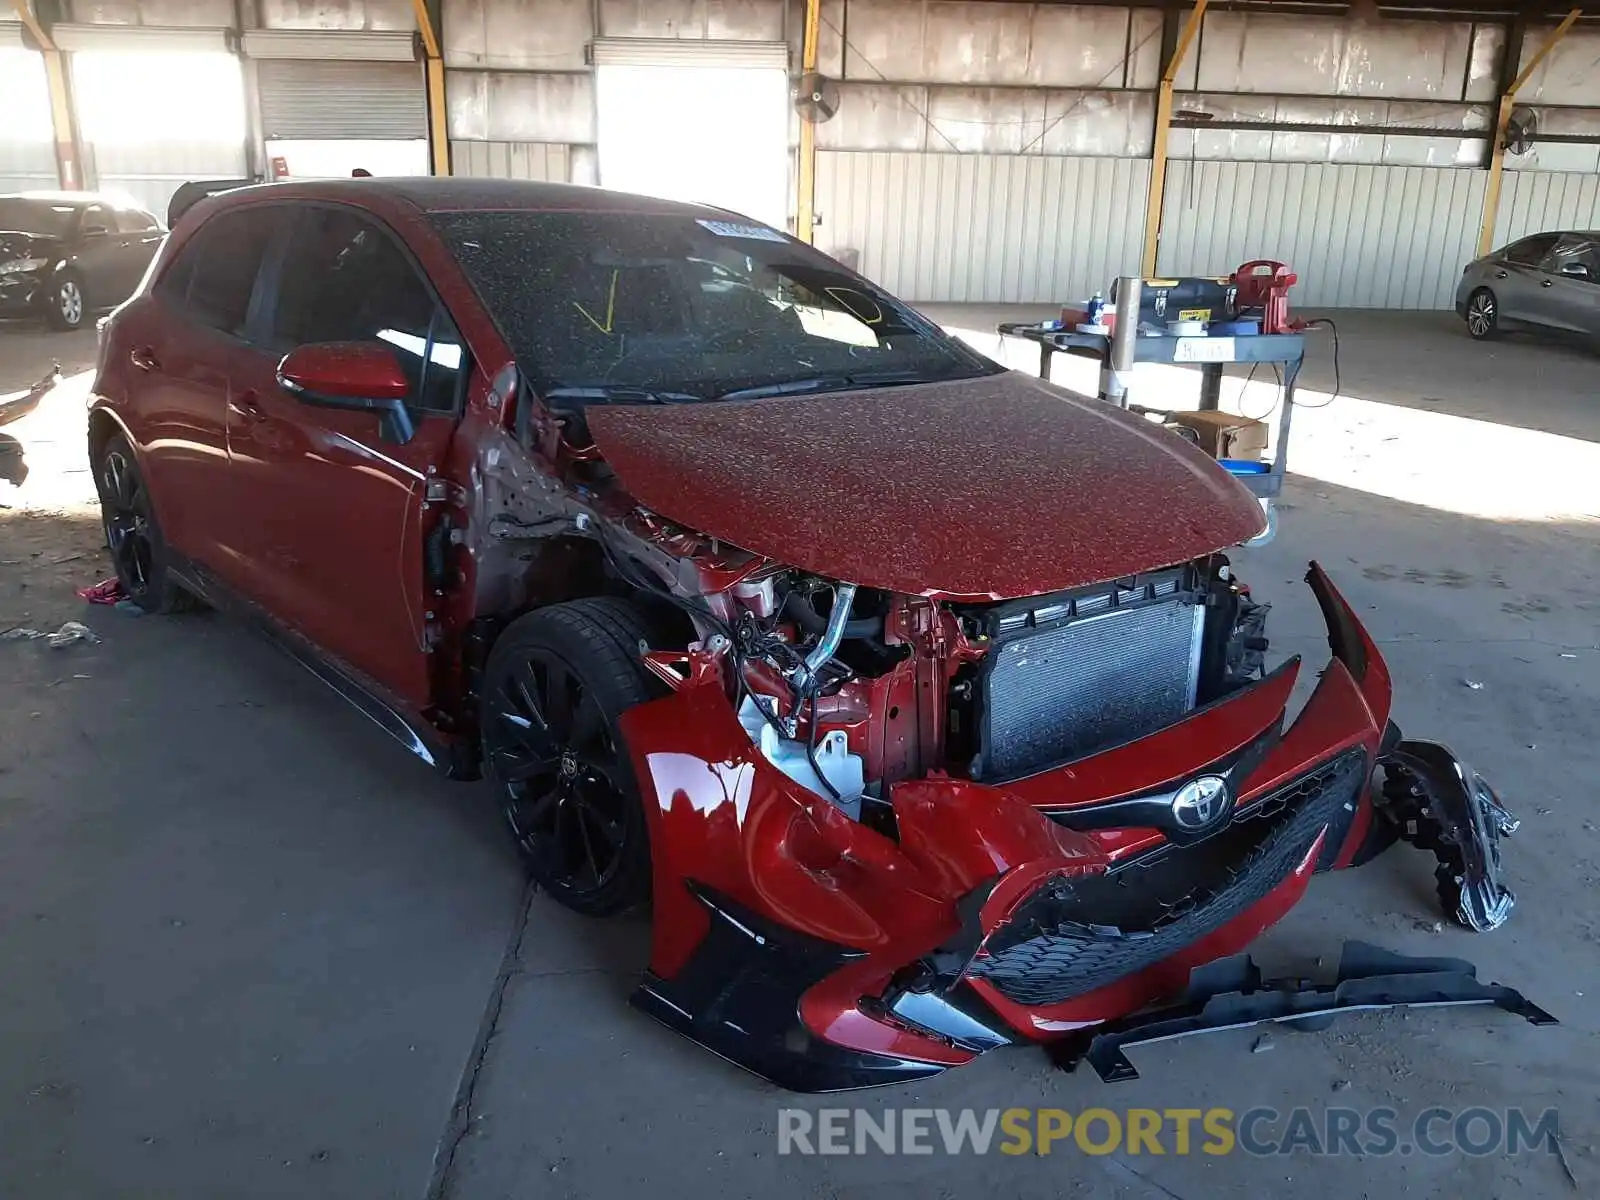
(98, 261)
(139, 236)
(1568, 293)
(1518, 278)
(178, 350)
(336, 514)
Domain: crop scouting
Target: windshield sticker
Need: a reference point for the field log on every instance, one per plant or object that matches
(733, 229)
(611, 308)
(858, 304)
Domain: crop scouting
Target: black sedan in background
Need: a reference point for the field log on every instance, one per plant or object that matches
(65, 254)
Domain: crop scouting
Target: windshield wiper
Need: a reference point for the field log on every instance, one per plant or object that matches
(609, 393)
(838, 383)
(790, 387)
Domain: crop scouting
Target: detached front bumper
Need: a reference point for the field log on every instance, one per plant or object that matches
(823, 955)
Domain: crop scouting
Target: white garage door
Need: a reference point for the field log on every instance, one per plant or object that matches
(156, 108)
(706, 122)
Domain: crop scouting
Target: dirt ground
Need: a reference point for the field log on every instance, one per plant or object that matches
(249, 948)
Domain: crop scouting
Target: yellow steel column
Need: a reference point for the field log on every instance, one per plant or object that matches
(806, 179)
(69, 163)
(438, 116)
(1497, 150)
(1158, 151)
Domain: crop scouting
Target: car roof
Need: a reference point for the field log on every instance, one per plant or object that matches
(76, 199)
(1588, 233)
(454, 193)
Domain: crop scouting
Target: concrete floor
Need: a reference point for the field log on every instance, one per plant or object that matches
(248, 948)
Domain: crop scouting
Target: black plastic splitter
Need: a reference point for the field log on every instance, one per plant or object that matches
(1231, 994)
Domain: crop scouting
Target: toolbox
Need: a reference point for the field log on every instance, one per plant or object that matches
(1192, 299)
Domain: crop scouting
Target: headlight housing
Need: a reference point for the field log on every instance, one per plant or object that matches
(20, 266)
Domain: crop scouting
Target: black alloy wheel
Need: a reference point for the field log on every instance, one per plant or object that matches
(555, 684)
(1483, 314)
(126, 509)
(133, 535)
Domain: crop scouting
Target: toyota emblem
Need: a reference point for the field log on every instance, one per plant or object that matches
(1200, 802)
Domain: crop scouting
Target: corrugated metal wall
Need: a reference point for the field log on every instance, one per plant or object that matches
(150, 172)
(1358, 236)
(1531, 201)
(997, 229)
(539, 161)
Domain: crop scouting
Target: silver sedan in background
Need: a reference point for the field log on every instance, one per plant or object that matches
(1547, 280)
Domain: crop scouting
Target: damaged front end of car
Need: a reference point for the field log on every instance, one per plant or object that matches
(889, 829)
(892, 832)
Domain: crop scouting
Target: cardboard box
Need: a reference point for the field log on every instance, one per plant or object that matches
(1225, 435)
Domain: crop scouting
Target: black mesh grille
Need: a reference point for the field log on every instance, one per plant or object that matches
(1073, 936)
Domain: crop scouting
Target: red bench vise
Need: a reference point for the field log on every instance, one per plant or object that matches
(1263, 286)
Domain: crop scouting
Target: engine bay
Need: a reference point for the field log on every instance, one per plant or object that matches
(848, 690)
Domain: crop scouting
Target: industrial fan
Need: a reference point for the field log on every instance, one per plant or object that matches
(1521, 130)
(816, 97)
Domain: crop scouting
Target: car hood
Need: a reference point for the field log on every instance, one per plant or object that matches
(994, 487)
(16, 243)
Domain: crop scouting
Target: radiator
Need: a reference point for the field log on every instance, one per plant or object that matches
(1071, 674)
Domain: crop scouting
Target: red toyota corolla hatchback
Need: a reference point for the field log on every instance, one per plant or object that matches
(918, 695)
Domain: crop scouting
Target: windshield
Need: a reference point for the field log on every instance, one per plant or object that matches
(35, 216)
(649, 308)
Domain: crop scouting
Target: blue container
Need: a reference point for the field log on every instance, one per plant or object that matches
(1244, 466)
(1234, 328)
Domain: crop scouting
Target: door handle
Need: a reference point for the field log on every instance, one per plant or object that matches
(144, 358)
(1499, 274)
(1546, 282)
(247, 407)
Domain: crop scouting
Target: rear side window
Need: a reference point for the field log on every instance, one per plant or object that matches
(1530, 252)
(1579, 249)
(133, 220)
(344, 279)
(97, 217)
(215, 272)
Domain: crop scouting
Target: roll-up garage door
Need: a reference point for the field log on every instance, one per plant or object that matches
(336, 102)
(702, 121)
(157, 107)
(303, 99)
(688, 52)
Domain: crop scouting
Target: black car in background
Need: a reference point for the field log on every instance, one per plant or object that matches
(65, 254)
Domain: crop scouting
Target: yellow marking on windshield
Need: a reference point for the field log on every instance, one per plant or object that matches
(861, 299)
(611, 306)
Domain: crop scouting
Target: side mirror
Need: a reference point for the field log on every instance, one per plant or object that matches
(360, 376)
(1575, 270)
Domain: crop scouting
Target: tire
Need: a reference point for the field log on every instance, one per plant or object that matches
(554, 685)
(1483, 315)
(138, 548)
(67, 306)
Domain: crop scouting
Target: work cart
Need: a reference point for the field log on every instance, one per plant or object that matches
(1210, 354)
